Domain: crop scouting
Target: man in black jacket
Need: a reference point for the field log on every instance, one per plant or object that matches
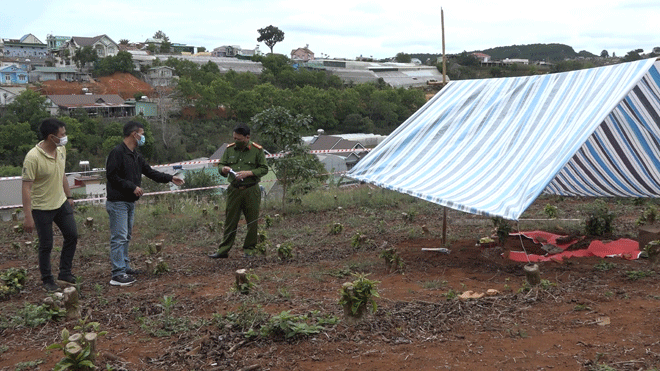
(124, 169)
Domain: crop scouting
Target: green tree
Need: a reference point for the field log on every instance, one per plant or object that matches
(201, 49)
(604, 54)
(29, 106)
(270, 35)
(16, 139)
(123, 42)
(85, 55)
(633, 55)
(166, 45)
(403, 57)
(280, 132)
(159, 35)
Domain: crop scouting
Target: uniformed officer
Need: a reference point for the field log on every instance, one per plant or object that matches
(244, 163)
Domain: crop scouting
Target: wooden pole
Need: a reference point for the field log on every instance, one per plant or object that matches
(444, 226)
(444, 59)
(444, 82)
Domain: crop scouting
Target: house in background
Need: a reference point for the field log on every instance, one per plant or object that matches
(226, 51)
(302, 54)
(96, 105)
(103, 45)
(28, 46)
(13, 75)
(351, 152)
(9, 93)
(161, 76)
(57, 73)
(55, 43)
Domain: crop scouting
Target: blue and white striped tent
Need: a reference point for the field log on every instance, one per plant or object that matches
(492, 146)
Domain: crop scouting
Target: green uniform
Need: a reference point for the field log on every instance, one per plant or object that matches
(243, 196)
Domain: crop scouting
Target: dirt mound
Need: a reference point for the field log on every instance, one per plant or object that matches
(123, 84)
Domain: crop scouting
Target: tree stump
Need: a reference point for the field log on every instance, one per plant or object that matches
(653, 251)
(532, 274)
(14, 216)
(75, 338)
(71, 303)
(72, 349)
(159, 247)
(242, 281)
(426, 231)
(90, 338)
(18, 229)
(150, 266)
(89, 222)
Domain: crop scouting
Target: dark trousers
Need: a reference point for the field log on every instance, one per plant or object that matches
(241, 201)
(43, 222)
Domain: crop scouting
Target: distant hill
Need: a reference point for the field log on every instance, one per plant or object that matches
(533, 52)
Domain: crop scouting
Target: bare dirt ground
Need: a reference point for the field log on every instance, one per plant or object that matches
(580, 318)
(122, 84)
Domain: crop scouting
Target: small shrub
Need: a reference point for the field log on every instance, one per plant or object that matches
(392, 259)
(649, 215)
(358, 240)
(288, 326)
(503, 228)
(637, 275)
(11, 281)
(244, 319)
(358, 295)
(550, 211)
(32, 315)
(285, 251)
(336, 228)
(599, 219)
(161, 267)
(604, 266)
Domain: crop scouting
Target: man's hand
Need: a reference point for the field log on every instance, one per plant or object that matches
(226, 170)
(178, 181)
(28, 224)
(138, 191)
(243, 174)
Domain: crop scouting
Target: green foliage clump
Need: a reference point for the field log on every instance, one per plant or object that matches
(12, 281)
(359, 295)
(286, 325)
(604, 266)
(244, 319)
(599, 219)
(78, 352)
(165, 323)
(503, 228)
(649, 215)
(392, 259)
(32, 315)
(550, 211)
(638, 275)
(285, 251)
(336, 228)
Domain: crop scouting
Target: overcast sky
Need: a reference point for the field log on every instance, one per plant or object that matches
(347, 29)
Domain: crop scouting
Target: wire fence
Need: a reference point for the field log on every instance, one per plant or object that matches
(94, 187)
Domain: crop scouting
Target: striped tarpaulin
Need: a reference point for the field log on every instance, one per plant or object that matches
(492, 146)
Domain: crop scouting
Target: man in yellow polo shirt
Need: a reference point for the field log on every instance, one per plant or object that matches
(47, 199)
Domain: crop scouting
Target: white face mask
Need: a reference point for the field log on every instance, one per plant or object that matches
(63, 141)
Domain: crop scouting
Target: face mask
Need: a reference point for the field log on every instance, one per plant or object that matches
(240, 145)
(63, 141)
(141, 141)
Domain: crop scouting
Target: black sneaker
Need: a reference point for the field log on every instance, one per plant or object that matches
(51, 286)
(68, 278)
(133, 272)
(122, 280)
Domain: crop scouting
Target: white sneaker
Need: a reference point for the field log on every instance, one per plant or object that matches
(122, 280)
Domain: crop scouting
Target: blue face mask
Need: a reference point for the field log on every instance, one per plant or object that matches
(141, 141)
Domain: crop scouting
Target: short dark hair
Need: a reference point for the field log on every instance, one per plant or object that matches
(132, 126)
(50, 126)
(242, 129)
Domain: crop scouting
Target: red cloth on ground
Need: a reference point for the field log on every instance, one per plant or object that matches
(623, 248)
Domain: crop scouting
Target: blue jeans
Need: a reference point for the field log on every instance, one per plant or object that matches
(121, 214)
(43, 223)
